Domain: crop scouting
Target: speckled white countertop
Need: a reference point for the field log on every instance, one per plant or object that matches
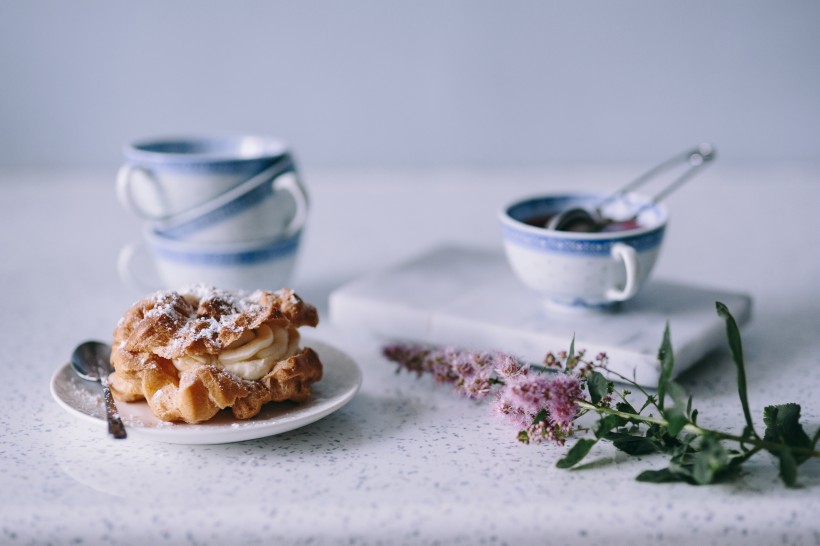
(405, 462)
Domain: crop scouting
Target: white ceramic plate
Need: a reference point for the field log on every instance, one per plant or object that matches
(339, 384)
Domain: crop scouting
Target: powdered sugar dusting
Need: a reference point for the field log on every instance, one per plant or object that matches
(208, 314)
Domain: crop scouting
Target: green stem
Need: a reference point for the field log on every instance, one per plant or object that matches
(699, 431)
(651, 399)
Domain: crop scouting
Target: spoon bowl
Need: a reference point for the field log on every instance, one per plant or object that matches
(91, 361)
(86, 359)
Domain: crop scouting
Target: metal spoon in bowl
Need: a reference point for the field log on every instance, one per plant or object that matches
(92, 361)
(592, 221)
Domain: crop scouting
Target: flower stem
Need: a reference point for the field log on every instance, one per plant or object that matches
(699, 431)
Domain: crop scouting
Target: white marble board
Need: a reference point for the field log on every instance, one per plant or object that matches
(470, 298)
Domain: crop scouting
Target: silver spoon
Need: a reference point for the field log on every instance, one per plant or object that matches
(92, 361)
(592, 221)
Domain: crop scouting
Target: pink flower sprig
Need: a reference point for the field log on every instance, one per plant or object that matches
(546, 406)
(541, 405)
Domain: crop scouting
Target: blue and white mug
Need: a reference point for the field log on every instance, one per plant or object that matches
(582, 271)
(214, 189)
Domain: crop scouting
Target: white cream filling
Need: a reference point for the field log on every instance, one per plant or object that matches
(250, 357)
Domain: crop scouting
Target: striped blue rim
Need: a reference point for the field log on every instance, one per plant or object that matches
(232, 166)
(206, 154)
(587, 247)
(515, 229)
(228, 210)
(218, 258)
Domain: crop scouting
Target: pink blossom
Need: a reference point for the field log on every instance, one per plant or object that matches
(507, 366)
(565, 390)
(508, 410)
(542, 405)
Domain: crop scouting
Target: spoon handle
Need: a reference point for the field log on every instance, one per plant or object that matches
(696, 159)
(115, 426)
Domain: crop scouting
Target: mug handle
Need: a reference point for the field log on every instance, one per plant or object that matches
(293, 185)
(125, 176)
(629, 257)
(125, 267)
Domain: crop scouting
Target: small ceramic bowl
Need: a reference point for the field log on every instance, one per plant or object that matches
(265, 264)
(164, 177)
(586, 271)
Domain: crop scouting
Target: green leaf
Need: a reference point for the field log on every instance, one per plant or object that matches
(667, 361)
(607, 423)
(540, 416)
(783, 427)
(571, 353)
(675, 424)
(736, 347)
(693, 467)
(633, 444)
(676, 415)
(576, 453)
(683, 452)
(678, 395)
(626, 407)
(711, 462)
(788, 467)
(664, 475)
(598, 387)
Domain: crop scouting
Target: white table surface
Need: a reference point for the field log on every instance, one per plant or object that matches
(406, 461)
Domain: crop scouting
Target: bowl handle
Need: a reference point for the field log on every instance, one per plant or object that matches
(629, 257)
(290, 182)
(125, 194)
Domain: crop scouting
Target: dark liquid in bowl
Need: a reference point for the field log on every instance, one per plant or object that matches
(542, 220)
(539, 221)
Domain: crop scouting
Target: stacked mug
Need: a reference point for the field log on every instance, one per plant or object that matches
(223, 211)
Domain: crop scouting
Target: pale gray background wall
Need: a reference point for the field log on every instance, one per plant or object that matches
(424, 83)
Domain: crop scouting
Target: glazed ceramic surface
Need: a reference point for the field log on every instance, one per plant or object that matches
(267, 263)
(581, 270)
(212, 189)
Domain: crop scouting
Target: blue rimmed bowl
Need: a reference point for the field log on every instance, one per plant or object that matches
(168, 176)
(266, 263)
(587, 271)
